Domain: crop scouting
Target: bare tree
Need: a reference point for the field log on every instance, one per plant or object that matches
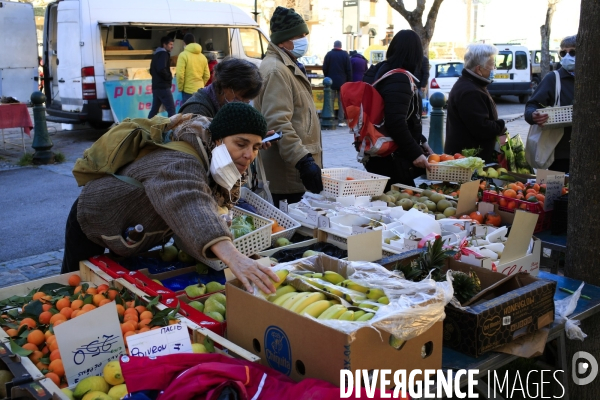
(415, 19)
(545, 33)
(582, 261)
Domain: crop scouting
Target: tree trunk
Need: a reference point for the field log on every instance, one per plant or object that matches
(415, 19)
(582, 261)
(545, 33)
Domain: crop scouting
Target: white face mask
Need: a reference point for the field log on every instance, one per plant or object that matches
(300, 47)
(223, 169)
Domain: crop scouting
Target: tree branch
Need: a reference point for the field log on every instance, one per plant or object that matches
(432, 17)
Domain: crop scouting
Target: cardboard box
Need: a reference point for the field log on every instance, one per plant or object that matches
(506, 308)
(515, 258)
(303, 348)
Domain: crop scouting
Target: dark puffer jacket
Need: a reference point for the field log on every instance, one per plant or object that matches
(472, 120)
(160, 69)
(337, 67)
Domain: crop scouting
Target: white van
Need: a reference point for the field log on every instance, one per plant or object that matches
(18, 51)
(513, 72)
(90, 42)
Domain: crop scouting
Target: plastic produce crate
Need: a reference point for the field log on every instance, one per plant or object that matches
(267, 210)
(449, 173)
(544, 217)
(250, 244)
(558, 117)
(363, 183)
(560, 215)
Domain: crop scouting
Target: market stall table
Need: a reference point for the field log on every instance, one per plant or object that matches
(491, 361)
(15, 116)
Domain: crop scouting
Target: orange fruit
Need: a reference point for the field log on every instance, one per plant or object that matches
(92, 290)
(509, 193)
(513, 186)
(97, 299)
(120, 309)
(48, 334)
(36, 337)
(503, 202)
(130, 311)
(144, 323)
(275, 223)
(523, 206)
(62, 303)
(57, 367)
(408, 191)
(53, 346)
(50, 339)
(38, 295)
(57, 317)
(512, 205)
(29, 322)
(75, 313)
(541, 197)
(30, 346)
(76, 304)
(131, 317)
(53, 377)
(146, 315)
(60, 321)
(77, 290)
(12, 332)
(105, 301)
(81, 312)
(129, 333)
(277, 229)
(46, 307)
(104, 286)
(67, 311)
(44, 317)
(433, 162)
(35, 356)
(112, 293)
(40, 365)
(140, 309)
(446, 157)
(477, 216)
(87, 307)
(433, 158)
(536, 187)
(144, 329)
(173, 321)
(127, 327)
(74, 280)
(55, 355)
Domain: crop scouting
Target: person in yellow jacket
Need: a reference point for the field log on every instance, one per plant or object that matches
(192, 68)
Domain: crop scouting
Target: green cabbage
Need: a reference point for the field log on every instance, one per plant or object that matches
(241, 225)
(467, 162)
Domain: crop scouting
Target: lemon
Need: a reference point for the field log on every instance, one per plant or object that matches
(90, 384)
(112, 373)
(96, 395)
(68, 393)
(118, 392)
(199, 348)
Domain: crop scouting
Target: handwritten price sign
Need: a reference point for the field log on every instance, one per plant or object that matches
(170, 339)
(87, 343)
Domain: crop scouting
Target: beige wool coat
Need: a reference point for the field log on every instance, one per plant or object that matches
(287, 103)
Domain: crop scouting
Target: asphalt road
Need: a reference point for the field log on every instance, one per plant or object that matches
(35, 202)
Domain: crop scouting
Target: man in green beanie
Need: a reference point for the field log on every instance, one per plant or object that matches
(293, 164)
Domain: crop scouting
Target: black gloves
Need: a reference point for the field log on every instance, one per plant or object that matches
(310, 173)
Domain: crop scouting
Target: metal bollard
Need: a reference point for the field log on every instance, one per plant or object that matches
(41, 140)
(327, 120)
(436, 122)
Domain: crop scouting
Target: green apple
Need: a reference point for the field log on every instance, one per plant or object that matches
(282, 242)
(168, 254)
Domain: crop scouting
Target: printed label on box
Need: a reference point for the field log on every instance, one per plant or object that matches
(323, 222)
(283, 206)
(277, 350)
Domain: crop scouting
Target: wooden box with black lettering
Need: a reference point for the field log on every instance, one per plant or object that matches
(507, 307)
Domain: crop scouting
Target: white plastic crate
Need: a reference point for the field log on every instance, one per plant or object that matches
(363, 183)
(267, 210)
(558, 117)
(449, 173)
(250, 244)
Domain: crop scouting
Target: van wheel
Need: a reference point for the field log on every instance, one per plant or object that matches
(534, 83)
(523, 98)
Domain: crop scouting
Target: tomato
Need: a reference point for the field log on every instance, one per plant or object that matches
(477, 216)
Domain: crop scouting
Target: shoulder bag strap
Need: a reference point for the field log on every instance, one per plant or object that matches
(557, 89)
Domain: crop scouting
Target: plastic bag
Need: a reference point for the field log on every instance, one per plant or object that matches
(564, 308)
(413, 307)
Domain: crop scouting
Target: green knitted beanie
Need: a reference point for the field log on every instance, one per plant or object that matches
(286, 24)
(234, 118)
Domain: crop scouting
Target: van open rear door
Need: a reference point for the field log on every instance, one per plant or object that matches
(50, 55)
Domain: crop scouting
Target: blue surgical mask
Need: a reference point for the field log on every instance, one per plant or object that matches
(568, 62)
(300, 47)
(491, 78)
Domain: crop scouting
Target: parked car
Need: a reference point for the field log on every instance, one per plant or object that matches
(536, 58)
(513, 72)
(442, 76)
